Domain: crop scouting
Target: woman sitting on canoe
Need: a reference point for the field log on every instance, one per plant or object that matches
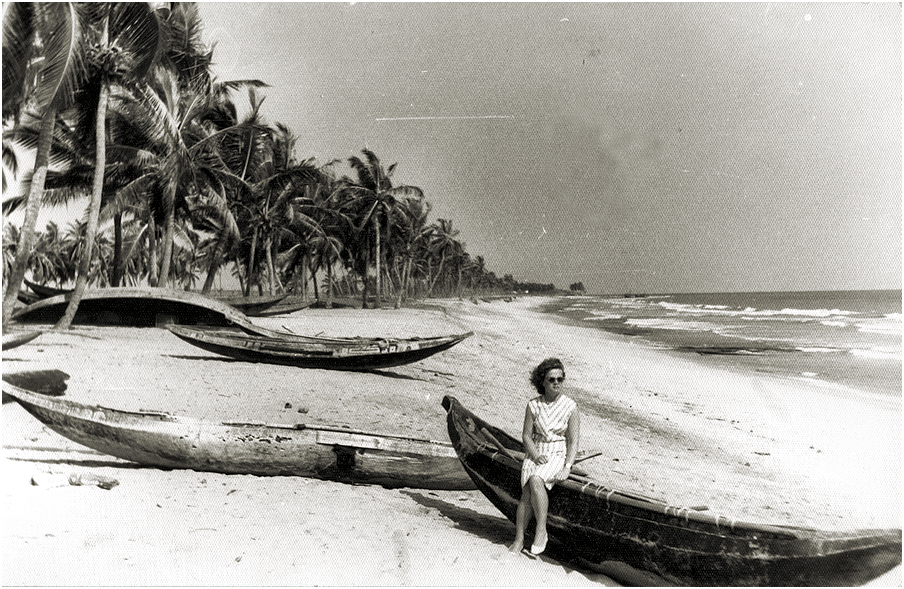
(552, 426)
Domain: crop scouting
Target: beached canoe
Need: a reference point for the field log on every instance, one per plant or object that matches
(44, 291)
(168, 441)
(339, 354)
(24, 296)
(135, 307)
(253, 306)
(45, 382)
(636, 539)
(18, 338)
(287, 306)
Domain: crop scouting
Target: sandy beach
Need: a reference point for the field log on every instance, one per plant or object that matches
(749, 446)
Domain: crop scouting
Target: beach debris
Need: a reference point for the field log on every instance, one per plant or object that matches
(288, 405)
(74, 479)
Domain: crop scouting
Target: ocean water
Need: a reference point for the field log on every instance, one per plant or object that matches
(844, 339)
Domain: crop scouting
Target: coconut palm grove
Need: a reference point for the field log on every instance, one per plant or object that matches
(118, 104)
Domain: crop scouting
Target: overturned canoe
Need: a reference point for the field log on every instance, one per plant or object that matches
(18, 338)
(637, 539)
(168, 441)
(135, 307)
(304, 352)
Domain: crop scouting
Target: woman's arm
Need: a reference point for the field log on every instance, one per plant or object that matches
(527, 437)
(572, 441)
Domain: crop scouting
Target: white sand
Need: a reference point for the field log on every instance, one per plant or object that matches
(749, 446)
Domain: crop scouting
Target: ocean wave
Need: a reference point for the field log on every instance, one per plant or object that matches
(820, 350)
(878, 354)
(754, 312)
(599, 316)
(889, 326)
(673, 324)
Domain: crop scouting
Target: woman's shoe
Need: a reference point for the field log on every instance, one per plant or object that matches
(538, 548)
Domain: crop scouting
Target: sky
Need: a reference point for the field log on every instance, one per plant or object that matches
(633, 147)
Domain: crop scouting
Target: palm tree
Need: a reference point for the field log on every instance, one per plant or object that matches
(373, 197)
(42, 66)
(317, 226)
(443, 244)
(125, 42)
(410, 221)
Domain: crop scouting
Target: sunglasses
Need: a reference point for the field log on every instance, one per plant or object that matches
(556, 379)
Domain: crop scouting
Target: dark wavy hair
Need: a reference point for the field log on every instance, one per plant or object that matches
(538, 374)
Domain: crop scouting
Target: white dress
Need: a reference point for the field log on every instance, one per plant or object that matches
(550, 425)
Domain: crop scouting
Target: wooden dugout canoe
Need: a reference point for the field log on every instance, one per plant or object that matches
(253, 306)
(44, 291)
(339, 354)
(168, 441)
(633, 537)
(28, 298)
(18, 338)
(135, 307)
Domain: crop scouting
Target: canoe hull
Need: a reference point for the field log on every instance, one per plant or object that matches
(136, 307)
(166, 441)
(666, 543)
(328, 354)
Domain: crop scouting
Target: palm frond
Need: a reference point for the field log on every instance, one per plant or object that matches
(18, 51)
(63, 65)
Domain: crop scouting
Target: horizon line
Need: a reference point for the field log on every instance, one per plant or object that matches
(444, 118)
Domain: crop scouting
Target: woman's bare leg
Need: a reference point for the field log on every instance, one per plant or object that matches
(522, 518)
(541, 506)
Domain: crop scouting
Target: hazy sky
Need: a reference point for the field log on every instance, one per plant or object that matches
(633, 147)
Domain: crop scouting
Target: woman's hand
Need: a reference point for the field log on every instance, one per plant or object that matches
(563, 474)
(541, 459)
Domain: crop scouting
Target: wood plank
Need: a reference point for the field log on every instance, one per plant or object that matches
(355, 440)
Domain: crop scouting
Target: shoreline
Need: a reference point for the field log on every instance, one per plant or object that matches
(771, 451)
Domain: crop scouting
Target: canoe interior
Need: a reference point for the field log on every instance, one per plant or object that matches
(167, 441)
(676, 544)
(44, 382)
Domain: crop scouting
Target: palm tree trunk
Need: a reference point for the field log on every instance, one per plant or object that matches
(214, 263)
(313, 276)
(439, 273)
(364, 273)
(251, 263)
(406, 273)
(117, 250)
(329, 285)
(377, 303)
(100, 162)
(153, 268)
(32, 208)
(271, 267)
(169, 229)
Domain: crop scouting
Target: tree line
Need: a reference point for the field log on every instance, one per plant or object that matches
(119, 104)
